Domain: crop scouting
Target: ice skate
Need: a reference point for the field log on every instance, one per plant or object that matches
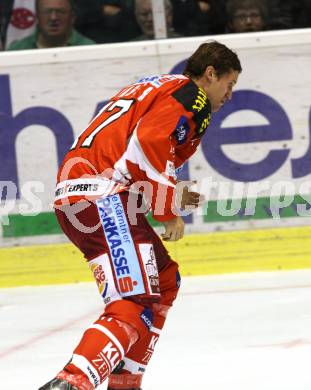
(110, 388)
(67, 381)
(58, 384)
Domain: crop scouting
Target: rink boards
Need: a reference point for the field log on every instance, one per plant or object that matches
(197, 254)
(276, 150)
(256, 148)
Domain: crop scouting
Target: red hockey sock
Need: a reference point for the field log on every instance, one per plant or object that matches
(78, 380)
(101, 348)
(124, 381)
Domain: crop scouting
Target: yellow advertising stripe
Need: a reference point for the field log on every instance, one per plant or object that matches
(197, 254)
(40, 265)
(241, 251)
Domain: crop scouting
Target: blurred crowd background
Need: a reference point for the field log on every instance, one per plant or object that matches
(28, 24)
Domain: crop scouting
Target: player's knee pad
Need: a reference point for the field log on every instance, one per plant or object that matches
(136, 316)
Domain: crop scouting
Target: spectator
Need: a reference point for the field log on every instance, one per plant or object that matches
(144, 17)
(17, 20)
(110, 21)
(191, 18)
(246, 16)
(290, 13)
(55, 20)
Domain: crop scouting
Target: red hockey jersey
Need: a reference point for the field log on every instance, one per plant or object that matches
(143, 134)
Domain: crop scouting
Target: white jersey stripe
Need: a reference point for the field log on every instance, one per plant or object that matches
(136, 155)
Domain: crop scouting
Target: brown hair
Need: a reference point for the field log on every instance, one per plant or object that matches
(215, 54)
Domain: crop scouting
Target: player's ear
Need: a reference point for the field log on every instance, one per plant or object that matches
(210, 73)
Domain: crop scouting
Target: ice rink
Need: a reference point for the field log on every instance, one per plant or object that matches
(230, 332)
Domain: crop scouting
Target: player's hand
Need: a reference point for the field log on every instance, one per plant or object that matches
(190, 198)
(174, 229)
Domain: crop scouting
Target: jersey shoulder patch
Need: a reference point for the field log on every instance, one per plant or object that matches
(181, 131)
(195, 100)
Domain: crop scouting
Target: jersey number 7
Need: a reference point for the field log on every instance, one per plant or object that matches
(123, 107)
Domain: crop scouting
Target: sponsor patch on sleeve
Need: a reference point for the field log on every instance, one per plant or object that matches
(182, 130)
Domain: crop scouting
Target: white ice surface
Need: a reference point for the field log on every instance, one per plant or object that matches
(231, 332)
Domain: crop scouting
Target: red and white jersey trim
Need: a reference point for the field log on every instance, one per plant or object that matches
(136, 155)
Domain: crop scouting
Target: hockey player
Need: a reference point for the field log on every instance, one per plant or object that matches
(124, 163)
